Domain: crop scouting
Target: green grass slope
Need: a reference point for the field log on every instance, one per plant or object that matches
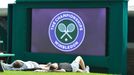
(46, 73)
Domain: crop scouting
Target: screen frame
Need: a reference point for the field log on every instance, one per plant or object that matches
(114, 62)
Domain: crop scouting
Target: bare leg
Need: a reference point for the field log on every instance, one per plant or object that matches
(75, 64)
(80, 61)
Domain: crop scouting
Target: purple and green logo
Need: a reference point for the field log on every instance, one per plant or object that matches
(66, 31)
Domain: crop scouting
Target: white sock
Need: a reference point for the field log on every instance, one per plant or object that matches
(87, 69)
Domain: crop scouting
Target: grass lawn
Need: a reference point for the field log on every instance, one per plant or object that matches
(45, 73)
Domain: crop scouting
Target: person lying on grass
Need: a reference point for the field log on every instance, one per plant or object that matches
(77, 65)
(20, 65)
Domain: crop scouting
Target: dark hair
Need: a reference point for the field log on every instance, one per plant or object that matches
(52, 67)
(17, 64)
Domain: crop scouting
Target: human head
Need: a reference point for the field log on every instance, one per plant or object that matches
(54, 66)
(17, 64)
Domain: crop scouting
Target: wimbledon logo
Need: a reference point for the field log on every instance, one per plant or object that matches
(66, 31)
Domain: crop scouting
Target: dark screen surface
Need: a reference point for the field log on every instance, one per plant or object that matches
(92, 36)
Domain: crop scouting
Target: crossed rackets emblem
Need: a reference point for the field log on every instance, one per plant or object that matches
(66, 29)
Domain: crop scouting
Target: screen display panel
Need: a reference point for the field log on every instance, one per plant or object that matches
(76, 31)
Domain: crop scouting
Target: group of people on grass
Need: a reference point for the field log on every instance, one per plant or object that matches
(77, 65)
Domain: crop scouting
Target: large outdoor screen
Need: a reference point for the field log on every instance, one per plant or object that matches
(75, 31)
